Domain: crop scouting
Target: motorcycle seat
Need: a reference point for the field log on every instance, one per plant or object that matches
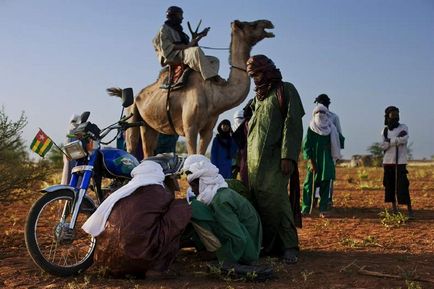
(171, 163)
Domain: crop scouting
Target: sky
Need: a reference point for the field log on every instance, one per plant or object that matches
(58, 57)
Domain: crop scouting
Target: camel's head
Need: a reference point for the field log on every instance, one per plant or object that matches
(252, 32)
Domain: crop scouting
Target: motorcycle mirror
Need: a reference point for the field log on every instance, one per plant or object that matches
(127, 97)
(84, 116)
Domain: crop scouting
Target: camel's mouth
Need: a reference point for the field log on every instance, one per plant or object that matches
(267, 25)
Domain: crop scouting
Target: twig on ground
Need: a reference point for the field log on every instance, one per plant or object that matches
(363, 271)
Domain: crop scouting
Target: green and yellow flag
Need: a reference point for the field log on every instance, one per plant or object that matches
(41, 144)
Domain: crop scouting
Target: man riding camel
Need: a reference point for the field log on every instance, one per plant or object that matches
(174, 47)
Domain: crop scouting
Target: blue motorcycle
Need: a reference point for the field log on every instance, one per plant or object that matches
(53, 234)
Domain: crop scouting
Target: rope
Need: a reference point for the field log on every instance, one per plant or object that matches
(214, 48)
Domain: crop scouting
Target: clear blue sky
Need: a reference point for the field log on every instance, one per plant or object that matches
(58, 57)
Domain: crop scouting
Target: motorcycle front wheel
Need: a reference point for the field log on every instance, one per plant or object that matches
(54, 247)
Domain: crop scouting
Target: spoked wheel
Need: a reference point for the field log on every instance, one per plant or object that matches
(54, 247)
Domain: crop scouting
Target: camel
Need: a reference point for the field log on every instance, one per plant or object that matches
(195, 108)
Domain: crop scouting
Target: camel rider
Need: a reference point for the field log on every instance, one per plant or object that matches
(173, 46)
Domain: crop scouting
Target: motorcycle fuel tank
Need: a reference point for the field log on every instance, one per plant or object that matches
(118, 162)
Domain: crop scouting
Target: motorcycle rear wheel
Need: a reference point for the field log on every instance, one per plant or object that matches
(52, 247)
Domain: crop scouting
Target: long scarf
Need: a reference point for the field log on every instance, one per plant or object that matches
(321, 124)
(147, 173)
(272, 78)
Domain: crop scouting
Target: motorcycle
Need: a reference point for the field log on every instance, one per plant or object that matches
(53, 234)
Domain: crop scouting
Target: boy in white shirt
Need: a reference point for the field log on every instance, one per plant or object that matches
(395, 181)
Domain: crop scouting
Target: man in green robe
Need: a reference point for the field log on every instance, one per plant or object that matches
(321, 147)
(273, 145)
(225, 221)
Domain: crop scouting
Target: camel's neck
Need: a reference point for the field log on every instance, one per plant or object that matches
(238, 84)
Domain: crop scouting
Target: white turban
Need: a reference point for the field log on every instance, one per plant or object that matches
(321, 124)
(146, 173)
(209, 178)
(238, 119)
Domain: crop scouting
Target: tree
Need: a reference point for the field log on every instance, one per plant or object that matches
(55, 156)
(377, 153)
(18, 173)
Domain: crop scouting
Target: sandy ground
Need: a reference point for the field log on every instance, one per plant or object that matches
(345, 250)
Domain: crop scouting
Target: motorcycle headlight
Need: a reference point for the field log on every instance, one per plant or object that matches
(75, 150)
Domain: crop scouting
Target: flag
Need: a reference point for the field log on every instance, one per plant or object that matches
(41, 144)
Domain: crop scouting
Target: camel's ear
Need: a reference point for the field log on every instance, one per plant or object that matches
(236, 24)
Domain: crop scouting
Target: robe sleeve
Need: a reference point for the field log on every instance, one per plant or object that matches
(400, 140)
(384, 144)
(342, 140)
(292, 133)
(308, 150)
(166, 42)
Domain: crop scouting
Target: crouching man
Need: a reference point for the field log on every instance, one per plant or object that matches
(225, 221)
(139, 226)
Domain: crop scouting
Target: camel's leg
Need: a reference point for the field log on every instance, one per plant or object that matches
(191, 139)
(132, 139)
(132, 134)
(206, 136)
(149, 140)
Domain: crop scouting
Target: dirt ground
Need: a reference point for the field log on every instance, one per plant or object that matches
(345, 250)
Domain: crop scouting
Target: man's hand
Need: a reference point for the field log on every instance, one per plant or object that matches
(312, 165)
(199, 36)
(287, 166)
(204, 32)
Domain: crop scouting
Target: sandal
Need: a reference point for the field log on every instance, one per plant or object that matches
(290, 256)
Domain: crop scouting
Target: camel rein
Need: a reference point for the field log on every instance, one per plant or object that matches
(169, 116)
(214, 48)
(236, 67)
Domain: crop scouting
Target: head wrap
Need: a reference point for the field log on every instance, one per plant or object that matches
(146, 173)
(175, 23)
(238, 119)
(173, 10)
(391, 123)
(321, 124)
(323, 99)
(271, 77)
(200, 167)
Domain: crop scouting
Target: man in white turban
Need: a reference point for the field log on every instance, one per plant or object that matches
(139, 226)
(225, 221)
(321, 147)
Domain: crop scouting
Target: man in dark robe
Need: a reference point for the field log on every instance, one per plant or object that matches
(139, 226)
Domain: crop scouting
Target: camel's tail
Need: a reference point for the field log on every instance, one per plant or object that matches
(114, 91)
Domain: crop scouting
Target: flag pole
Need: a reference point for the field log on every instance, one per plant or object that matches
(65, 154)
